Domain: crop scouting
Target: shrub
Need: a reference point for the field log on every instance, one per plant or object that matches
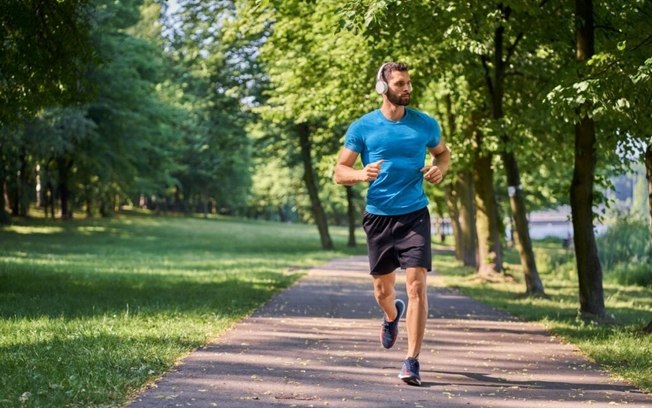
(625, 252)
(628, 274)
(550, 261)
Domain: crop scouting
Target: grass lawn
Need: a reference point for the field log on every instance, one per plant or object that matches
(91, 310)
(623, 349)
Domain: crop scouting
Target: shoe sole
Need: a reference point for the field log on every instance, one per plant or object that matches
(411, 380)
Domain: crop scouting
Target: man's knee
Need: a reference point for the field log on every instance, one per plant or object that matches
(416, 285)
(383, 288)
(416, 290)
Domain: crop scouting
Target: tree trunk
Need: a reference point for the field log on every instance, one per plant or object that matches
(489, 248)
(204, 203)
(64, 199)
(178, 201)
(648, 172)
(468, 232)
(64, 166)
(310, 182)
(14, 195)
(350, 204)
(496, 87)
(533, 284)
(89, 205)
(589, 270)
(5, 219)
(48, 200)
(23, 186)
(454, 213)
(20, 192)
(104, 208)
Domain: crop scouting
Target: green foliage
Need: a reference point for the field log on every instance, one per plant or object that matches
(625, 252)
(312, 76)
(554, 259)
(212, 76)
(453, 58)
(615, 82)
(154, 126)
(129, 111)
(90, 311)
(110, 146)
(628, 274)
(46, 50)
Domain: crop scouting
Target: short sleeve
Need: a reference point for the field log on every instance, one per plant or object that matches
(434, 135)
(353, 139)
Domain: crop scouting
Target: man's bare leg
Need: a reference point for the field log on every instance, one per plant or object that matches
(385, 294)
(417, 310)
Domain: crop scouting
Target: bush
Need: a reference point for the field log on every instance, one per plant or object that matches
(625, 252)
(557, 260)
(628, 274)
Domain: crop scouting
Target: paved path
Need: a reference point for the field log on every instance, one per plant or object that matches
(316, 345)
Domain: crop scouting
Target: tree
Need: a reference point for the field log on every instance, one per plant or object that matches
(102, 150)
(589, 269)
(135, 123)
(217, 72)
(502, 58)
(310, 72)
(46, 50)
(602, 94)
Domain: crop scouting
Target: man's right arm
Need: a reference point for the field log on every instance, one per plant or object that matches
(346, 175)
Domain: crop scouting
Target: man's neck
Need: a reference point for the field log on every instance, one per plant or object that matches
(391, 111)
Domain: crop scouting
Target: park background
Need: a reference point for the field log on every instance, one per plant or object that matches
(167, 166)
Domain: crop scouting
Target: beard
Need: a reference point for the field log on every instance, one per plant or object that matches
(396, 99)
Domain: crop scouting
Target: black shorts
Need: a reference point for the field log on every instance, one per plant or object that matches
(398, 241)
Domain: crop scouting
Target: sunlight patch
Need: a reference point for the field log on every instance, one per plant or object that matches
(24, 230)
(89, 229)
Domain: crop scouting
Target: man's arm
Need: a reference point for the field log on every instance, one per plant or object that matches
(346, 175)
(441, 157)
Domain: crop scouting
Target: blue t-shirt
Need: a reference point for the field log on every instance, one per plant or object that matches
(402, 145)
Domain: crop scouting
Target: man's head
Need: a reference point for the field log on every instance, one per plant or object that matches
(393, 81)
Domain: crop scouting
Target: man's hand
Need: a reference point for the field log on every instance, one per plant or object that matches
(432, 174)
(371, 171)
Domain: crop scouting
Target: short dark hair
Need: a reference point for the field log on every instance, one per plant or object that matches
(391, 67)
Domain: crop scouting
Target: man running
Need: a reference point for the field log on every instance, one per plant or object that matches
(392, 142)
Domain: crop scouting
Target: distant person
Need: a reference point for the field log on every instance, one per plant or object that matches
(392, 142)
(566, 242)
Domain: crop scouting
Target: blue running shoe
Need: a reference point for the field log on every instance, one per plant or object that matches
(410, 371)
(389, 330)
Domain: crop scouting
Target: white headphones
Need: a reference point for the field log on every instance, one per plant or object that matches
(381, 85)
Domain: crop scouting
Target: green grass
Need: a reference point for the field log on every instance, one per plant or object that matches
(622, 348)
(90, 311)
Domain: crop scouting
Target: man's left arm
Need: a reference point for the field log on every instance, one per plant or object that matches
(440, 161)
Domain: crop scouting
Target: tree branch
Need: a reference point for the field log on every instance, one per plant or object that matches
(487, 75)
(512, 48)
